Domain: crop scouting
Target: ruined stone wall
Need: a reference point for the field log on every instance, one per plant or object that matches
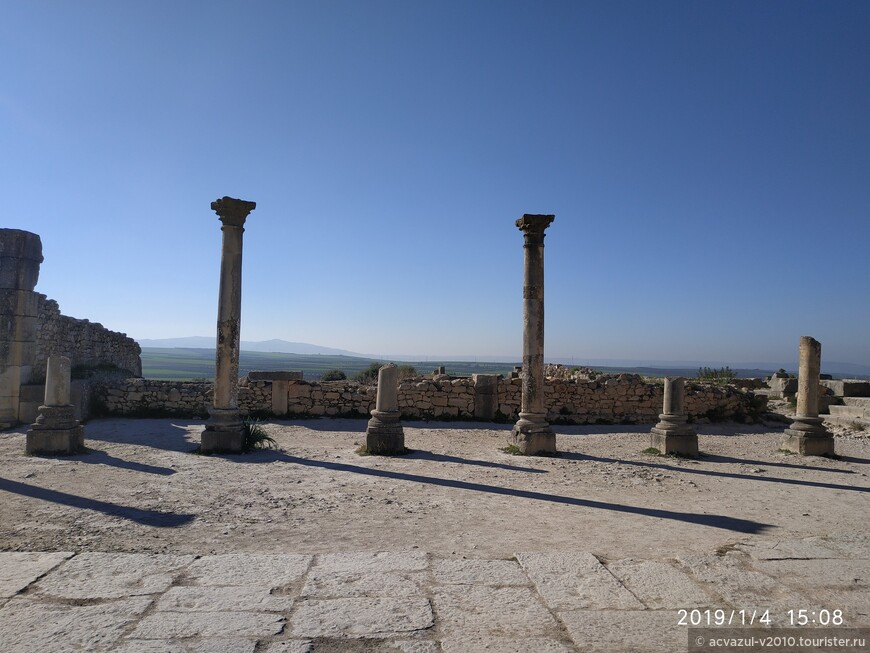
(625, 398)
(84, 342)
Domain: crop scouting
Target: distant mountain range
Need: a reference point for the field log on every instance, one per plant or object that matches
(752, 369)
(277, 346)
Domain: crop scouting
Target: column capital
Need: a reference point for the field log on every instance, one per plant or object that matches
(534, 224)
(232, 212)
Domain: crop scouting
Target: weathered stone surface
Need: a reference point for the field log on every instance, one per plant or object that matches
(40, 627)
(272, 571)
(512, 612)
(187, 646)
(479, 572)
(291, 646)
(369, 562)
(743, 588)
(215, 598)
(347, 585)
(607, 631)
(504, 645)
(658, 585)
(177, 625)
(111, 575)
(572, 581)
(362, 617)
(18, 570)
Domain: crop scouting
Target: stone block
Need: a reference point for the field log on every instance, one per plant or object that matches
(808, 443)
(375, 617)
(670, 443)
(279, 397)
(23, 303)
(847, 388)
(63, 442)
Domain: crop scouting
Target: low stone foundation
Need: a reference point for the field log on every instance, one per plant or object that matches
(618, 399)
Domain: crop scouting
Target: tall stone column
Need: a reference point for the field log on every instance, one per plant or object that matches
(807, 435)
(532, 433)
(223, 431)
(672, 434)
(56, 430)
(20, 257)
(384, 435)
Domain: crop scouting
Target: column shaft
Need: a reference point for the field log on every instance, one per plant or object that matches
(224, 431)
(807, 435)
(532, 433)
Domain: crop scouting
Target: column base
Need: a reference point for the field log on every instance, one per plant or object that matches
(224, 432)
(56, 432)
(808, 437)
(384, 434)
(673, 436)
(668, 442)
(533, 436)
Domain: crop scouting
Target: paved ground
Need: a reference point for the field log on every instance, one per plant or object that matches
(458, 547)
(411, 601)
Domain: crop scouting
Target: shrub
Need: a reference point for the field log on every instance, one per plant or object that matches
(369, 374)
(256, 436)
(407, 372)
(333, 375)
(722, 376)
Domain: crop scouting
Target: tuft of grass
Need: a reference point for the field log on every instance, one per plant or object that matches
(255, 436)
(652, 451)
(787, 452)
(512, 449)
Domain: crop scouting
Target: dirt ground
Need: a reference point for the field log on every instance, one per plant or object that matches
(141, 489)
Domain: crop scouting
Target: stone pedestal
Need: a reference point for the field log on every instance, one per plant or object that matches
(807, 435)
(224, 431)
(384, 435)
(20, 257)
(532, 434)
(672, 434)
(56, 430)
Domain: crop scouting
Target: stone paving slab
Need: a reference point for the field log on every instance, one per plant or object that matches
(573, 581)
(22, 569)
(362, 617)
(112, 575)
(407, 601)
(627, 631)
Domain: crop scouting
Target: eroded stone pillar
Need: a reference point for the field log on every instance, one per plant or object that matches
(532, 433)
(223, 431)
(56, 430)
(20, 257)
(384, 435)
(672, 434)
(807, 435)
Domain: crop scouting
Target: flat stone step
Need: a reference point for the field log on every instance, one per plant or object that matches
(848, 388)
(848, 411)
(855, 423)
(864, 402)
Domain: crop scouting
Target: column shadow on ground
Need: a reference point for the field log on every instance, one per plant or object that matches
(709, 472)
(714, 521)
(156, 518)
(97, 457)
(443, 458)
(714, 458)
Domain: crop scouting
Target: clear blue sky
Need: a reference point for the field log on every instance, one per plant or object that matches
(708, 164)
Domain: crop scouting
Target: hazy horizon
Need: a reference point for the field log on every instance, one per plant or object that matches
(707, 164)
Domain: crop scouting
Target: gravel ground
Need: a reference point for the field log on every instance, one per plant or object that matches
(141, 489)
